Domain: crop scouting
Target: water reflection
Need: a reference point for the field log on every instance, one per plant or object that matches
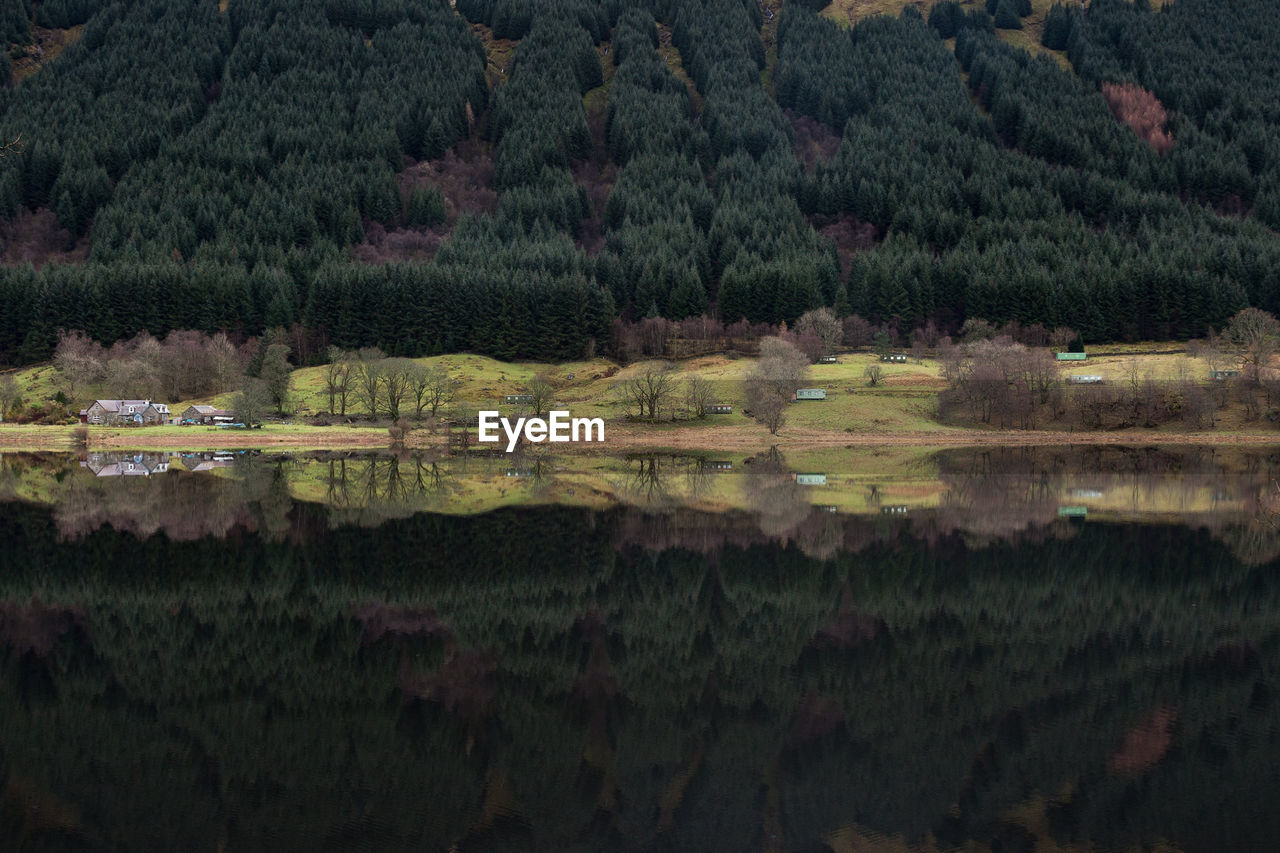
(382, 652)
(986, 495)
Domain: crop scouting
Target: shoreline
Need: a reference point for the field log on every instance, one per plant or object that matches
(619, 438)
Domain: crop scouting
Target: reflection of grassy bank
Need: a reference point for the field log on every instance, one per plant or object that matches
(987, 489)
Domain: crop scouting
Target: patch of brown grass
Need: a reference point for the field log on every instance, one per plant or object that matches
(498, 54)
(46, 45)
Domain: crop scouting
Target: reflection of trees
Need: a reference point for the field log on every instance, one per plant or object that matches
(653, 697)
(774, 494)
(369, 489)
(646, 481)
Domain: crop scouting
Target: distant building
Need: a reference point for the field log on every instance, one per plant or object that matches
(897, 509)
(119, 412)
(156, 413)
(1071, 356)
(828, 359)
(1084, 380)
(1223, 375)
(720, 409)
(811, 479)
(809, 394)
(519, 399)
(896, 357)
(718, 466)
(206, 415)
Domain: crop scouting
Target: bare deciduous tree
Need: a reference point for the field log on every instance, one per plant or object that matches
(649, 389)
(397, 381)
(540, 389)
(1254, 336)
(698, 395)
(774, 380)
(337, 379)
(822, 324)
(874, 374)
(80, 362)
(368, 381)
(432, 388)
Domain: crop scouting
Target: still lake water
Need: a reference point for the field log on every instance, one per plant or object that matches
(989, 650)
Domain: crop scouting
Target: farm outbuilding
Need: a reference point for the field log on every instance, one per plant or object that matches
(519, 399)
(720, 409)
(895, 357)
(811, 479)
(1071, 356)
(809, 394)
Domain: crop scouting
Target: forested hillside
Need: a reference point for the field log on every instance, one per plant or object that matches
(226, 166)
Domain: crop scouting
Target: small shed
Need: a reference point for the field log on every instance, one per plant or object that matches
(1223, 375)
(1071, 356)
(811, 479)
(1073, 511)
(720, 409)
(519, 399)
(895, 357)
(828, 359)
(810, 394)
(1078, 379)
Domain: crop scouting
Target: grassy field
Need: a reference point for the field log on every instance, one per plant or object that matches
(901, 409)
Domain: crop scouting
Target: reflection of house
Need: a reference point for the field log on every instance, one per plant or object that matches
(208, 461)
(126, 464)
(1222, 375)
(206, 415)
(718, 466)
(897, 509)
(117, 412)
(1081, 494)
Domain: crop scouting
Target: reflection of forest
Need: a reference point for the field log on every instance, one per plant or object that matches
(563, 679)
(985, 494)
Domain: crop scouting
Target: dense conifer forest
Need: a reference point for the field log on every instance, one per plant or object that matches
(217, 166)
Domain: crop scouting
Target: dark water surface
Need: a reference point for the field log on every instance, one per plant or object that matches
(989, 650)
